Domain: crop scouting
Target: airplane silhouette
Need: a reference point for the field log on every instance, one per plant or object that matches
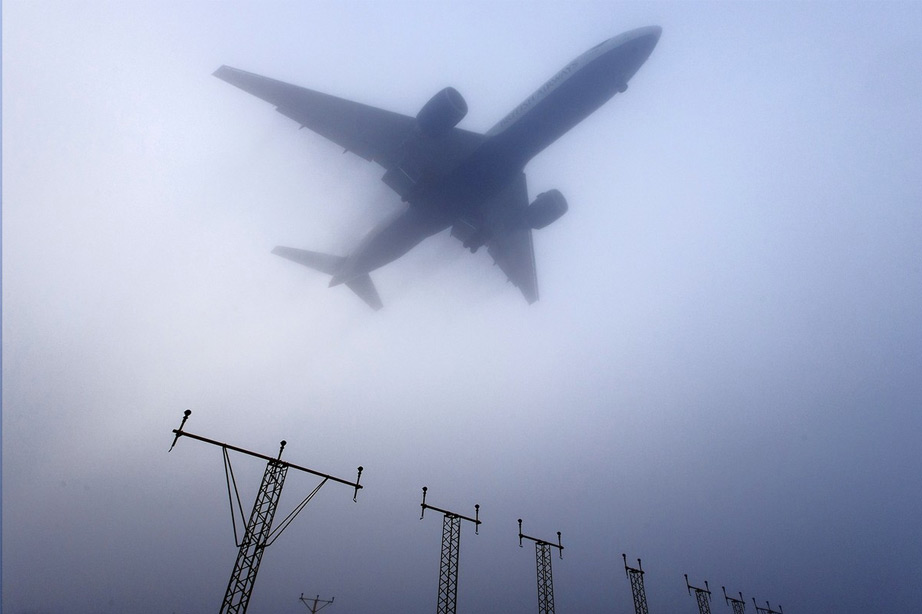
(450, 177)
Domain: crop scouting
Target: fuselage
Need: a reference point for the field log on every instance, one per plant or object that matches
(572, 94)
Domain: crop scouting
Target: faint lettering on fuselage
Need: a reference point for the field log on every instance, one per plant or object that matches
(540, 93)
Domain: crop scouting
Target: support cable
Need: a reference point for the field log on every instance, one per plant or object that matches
(258, 534)
(274, 535)
(230, 479)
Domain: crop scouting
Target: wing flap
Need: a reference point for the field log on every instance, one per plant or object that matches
(510, 243)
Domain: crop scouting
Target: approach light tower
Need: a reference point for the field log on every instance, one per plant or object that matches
(767, 609)
(316, 604)
(543, 563)
(259, 534)
(738, 605)
(635, 575)
(703, 595)
(451, 548)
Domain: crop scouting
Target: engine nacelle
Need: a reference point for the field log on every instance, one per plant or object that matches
(546, 209)
(441, 113)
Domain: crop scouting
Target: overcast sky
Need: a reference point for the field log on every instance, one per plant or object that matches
(723, 375)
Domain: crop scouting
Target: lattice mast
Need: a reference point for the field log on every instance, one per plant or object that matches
(447, 602)
(635, 575)
(738, 605)
(702, 595)
(258, 534)
(767, 609)
(316, 604)
(543, 564)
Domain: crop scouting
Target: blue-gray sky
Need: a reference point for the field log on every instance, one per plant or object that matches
(723, 375)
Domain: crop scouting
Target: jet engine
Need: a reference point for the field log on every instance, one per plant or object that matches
(441, 113)
(546, 209)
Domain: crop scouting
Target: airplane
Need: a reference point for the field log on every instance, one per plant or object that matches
(454, 178)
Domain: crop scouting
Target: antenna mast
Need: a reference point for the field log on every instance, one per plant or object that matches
(258, 534)
(543, 564)
(451, 547)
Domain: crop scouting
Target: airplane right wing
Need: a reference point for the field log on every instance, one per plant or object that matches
(374, 134)
(510, 242)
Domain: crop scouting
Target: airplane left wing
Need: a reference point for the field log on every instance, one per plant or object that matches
(374, 134)
(510, 243)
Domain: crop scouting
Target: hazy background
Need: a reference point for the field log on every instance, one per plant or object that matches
(723, 375)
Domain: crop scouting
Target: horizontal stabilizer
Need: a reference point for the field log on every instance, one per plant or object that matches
(325, 263)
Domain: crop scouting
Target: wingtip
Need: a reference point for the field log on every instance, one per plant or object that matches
(223, 71)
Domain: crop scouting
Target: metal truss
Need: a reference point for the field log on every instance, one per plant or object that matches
(767, 609)
(451, 548)
(637, 589)
(255, 539)
(448, 566)
(738, 605)
(545, 578)
(703, 596)
(259, 533)
(543, 565)
(704, 607)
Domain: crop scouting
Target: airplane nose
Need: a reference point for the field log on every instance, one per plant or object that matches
(635, 48)
(649, 35)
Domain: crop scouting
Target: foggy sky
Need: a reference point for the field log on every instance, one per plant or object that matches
(723, 375)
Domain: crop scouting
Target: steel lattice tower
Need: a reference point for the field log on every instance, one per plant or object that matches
(637, 589)
(545, 573)
(703, 595)
(447, 602)
(739, 606)
(259, 533)
(545, 578)
(448, 564)
(255, 539)
(767, 609)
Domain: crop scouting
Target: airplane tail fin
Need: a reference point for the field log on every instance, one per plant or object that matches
(326, 263)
